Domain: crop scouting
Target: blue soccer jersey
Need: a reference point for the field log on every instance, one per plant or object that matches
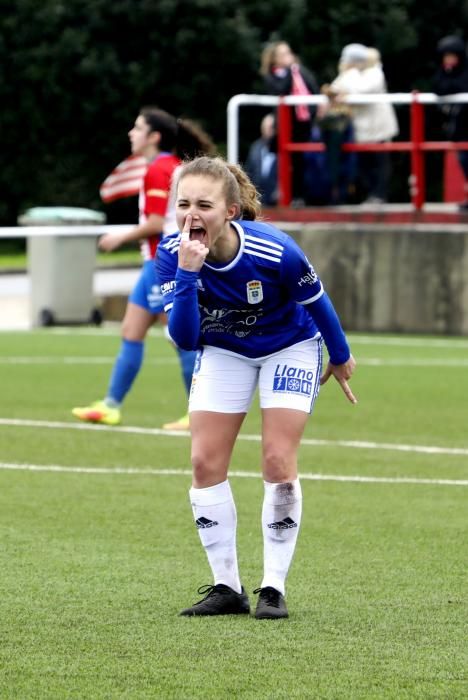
(260, 302)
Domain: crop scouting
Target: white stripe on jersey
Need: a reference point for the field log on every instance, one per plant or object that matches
(262, 248)
(262, 241)
(257, 246)
(261, 255)
(172, 246)
(314, 298)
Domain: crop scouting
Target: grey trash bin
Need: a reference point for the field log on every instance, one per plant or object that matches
(61, 267)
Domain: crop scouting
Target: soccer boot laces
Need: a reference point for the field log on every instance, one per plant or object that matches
(219, 600)
(270, 605)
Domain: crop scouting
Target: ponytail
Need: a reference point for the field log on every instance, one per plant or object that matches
(183, 137)
(192, 141)
(250, 198)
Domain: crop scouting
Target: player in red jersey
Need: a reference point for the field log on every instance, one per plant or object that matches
(162, 140)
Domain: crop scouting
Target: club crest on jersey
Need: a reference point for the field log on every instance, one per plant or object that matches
(254, 292)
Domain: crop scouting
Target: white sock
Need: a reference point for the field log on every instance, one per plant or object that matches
(281, 519)
(216, 519)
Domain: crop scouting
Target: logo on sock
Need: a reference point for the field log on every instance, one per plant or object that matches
(205, 522)
(285, 524)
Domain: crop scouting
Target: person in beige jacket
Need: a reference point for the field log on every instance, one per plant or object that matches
(360, 72)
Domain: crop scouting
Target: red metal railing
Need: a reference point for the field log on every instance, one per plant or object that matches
(417, 147)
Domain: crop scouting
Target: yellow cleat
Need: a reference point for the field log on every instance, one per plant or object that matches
(98, 412)
(181, 424)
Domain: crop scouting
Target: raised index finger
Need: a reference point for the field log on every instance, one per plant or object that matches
(185, 235)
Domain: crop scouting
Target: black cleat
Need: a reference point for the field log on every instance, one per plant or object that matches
(219, 600)
(271, 604)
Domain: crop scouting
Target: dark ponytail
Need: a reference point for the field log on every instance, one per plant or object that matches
(192, 140)
(183, 137)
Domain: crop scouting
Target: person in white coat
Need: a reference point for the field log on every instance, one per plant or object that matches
(361, 72)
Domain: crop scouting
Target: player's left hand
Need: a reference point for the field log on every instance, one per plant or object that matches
(342, 374)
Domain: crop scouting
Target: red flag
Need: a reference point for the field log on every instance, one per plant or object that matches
(125, 180)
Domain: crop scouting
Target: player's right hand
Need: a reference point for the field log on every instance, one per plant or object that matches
(192, 254)
(342, 374)
(109, 242)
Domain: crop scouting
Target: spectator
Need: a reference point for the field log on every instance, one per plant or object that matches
(451, 78)
(361, 72)
(285, 75)
(336, 128)
(261, 163)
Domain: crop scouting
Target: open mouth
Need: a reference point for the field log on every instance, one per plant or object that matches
(197, 233)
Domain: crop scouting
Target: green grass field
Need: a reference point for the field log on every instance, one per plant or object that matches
(98, 552)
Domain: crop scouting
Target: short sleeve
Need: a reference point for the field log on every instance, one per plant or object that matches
(156, 186)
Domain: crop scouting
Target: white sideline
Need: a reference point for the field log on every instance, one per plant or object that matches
(409, 341)
(79, 360)
(246, 475)
(136, 430)
(110, 328)
(110, 359)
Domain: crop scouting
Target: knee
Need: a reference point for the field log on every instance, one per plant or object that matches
(276, 466)
(206, 471)
(130, 331)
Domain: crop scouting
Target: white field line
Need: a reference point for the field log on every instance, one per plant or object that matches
(412, 362)
(105, 360)
(408, 341)
(71, 360)
(246, 475)
(135, 430)
(109, 328)
(113, 329)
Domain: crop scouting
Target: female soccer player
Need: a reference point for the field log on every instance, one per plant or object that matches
(245, 294)
(162, 140)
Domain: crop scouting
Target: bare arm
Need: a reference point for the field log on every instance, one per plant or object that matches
(152, 227)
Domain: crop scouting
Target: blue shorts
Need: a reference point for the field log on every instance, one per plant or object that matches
(147, 291)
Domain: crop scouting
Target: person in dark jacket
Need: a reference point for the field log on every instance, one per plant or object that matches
(450, 79)
(261, 165)
(283, 74)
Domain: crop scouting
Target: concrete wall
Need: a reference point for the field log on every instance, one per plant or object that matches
(408, 278)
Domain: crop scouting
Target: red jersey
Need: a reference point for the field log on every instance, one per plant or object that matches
(154, 196)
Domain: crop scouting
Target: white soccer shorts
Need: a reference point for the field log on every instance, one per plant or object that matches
(225, 382)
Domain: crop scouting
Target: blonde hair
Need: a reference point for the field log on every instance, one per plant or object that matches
(267, 60)
(237, 187)
(373, 57)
